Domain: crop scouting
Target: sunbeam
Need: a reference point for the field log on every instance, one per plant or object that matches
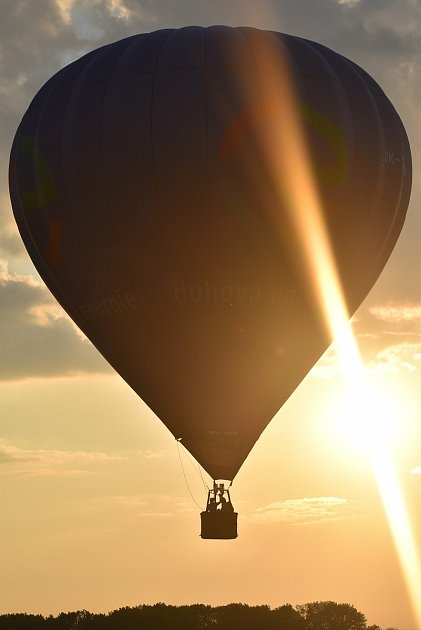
(287, 159)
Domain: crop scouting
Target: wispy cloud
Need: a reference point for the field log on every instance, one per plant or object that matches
(396, 313)
(12, 454)
(45, 472)
(118, 9)
(26, 462)
(393, 342)
(306, 511)
(349, 3)
(115, 8)
(399, 357)
(389, 338)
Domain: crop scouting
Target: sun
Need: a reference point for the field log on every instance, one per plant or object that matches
(371, 416)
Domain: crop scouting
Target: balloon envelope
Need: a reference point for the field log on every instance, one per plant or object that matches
(141, 191)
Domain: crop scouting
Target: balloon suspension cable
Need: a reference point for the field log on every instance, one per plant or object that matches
(178, 440)
(196, 467)
(198, 471)
(205, 485)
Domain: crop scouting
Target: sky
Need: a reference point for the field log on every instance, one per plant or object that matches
(96, 511)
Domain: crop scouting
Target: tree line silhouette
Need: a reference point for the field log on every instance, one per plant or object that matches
(313, 616)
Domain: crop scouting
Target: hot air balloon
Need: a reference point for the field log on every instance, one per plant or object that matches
(142, 194)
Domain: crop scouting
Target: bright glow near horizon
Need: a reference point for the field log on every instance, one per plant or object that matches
(371, 412)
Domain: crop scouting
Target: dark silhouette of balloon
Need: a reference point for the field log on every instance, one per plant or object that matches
(141, 192)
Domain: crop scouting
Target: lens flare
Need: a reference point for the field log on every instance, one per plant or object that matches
(287, 159)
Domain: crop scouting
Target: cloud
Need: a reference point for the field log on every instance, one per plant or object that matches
(10, 454)
(26, 462)
(38, 338)
(396, 313)
(307, 511)
(399, 357)
(389, 339)
(115, 8)
(416, 470)
(46, 472)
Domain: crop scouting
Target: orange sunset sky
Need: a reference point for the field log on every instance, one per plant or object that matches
(96, 512)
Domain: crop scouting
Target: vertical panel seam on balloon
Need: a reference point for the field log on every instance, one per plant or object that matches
(352, 68)
(132, 42)
(336, 80)
(317, 50)
(63, 120)
(75, 84)
(154, 183)
(253, 57)
(244, 30)
(396, 225)
(382, 137)
(352, 119)
(355, 68)
(211, 340)
(307, 44)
